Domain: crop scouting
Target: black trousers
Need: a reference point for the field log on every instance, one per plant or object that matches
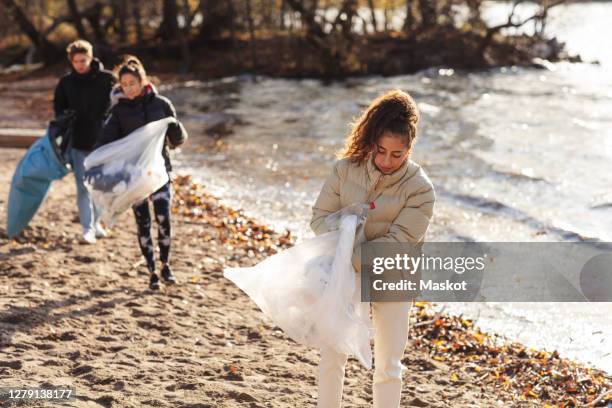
(162, 203)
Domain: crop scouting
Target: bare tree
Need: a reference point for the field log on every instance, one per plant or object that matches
(251, 26)
(93, 16)
(511, 22)
(428, 13)
(117, 20)
(333, 49)
(373, 15)
(314, 30)
(345, 17)
(386, 16)
(169, 30)
(76, 18)
(48, 51)
(187, 16)
(136, 15)
(282, 12)
(91, 13)
(409, 19)
(217, 16)
(474, 16)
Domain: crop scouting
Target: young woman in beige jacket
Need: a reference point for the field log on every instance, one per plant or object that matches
(375, 166)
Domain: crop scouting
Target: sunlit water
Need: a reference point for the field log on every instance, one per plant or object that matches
(515, 155)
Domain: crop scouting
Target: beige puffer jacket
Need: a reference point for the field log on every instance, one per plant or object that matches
(404, 201)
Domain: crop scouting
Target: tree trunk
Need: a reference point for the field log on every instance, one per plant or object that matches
(281, 24)
(168, 27)
(187, 16)
(169, 30)
(345, 17)
(386, 16)
(119, 18)
(313, 28)
(76, 18)
(373, 16)
(135, 4)
(267, 13)
(474, 18)
(251, 25)
(428, 13)
(409, 20)
(445, 12)
(93, 17)
(217, 15)
(333, 59)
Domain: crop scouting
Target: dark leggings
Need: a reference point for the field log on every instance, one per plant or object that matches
(161, 203)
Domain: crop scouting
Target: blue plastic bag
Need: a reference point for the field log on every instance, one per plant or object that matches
(31, 182)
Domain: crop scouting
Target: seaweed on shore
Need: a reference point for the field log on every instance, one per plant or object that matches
(519, 373)
(235, 230)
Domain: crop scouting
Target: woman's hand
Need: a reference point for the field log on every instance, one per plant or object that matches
(359, 209)
(175, 134)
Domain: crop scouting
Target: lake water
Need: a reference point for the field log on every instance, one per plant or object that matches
(515, 155)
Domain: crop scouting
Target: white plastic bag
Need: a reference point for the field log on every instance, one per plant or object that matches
(128, 170)
(310, 292)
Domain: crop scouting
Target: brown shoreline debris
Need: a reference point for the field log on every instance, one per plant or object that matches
(236, 231)
(518, 372)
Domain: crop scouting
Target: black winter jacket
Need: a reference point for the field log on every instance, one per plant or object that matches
(128, 115)
(89, 96)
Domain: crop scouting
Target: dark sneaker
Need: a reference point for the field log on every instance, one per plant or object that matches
(154, 282)
(167, 275)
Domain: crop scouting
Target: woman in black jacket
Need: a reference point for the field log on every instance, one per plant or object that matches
(138, 103)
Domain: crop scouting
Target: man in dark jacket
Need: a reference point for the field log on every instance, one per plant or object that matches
(86, 90)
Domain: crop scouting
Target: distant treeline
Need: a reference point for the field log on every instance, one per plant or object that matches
(279, 37)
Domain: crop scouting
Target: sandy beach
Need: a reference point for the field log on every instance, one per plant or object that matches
(507, 94)
(82, 316)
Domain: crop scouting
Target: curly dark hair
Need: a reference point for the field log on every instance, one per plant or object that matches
(394, 112)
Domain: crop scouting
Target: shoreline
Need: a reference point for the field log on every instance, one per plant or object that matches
(82, 314)
(285, 56)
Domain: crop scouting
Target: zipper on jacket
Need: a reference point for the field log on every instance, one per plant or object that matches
(373, 189)
(144, 108)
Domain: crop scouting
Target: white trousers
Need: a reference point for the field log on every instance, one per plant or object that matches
(390, 321)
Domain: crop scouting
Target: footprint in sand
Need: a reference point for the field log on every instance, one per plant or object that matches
(81, 369)
(107, 339)
(84, 259)
(52, 363)
(44, 346)
(137, 312)
(15, 365)
(143, 324)
(67, 336)
(241, 396)
(417, 402)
